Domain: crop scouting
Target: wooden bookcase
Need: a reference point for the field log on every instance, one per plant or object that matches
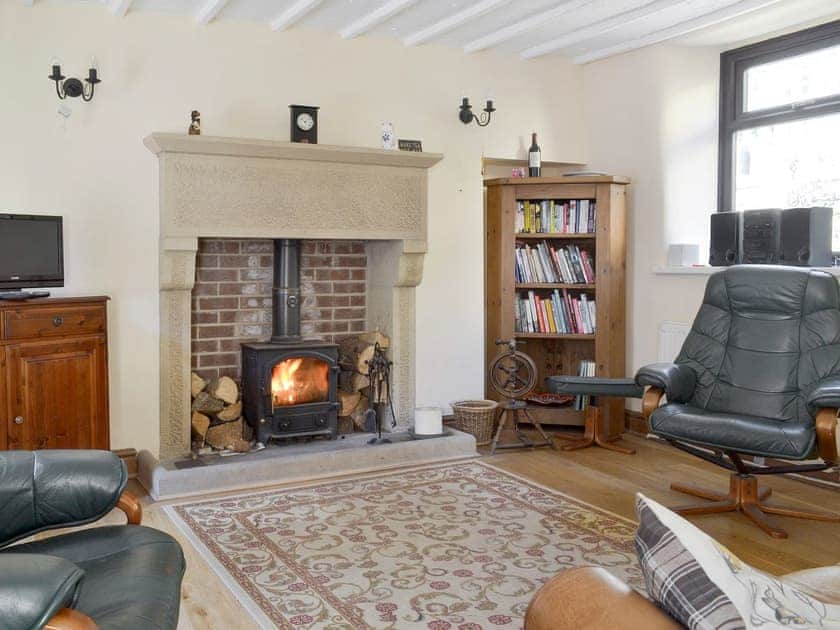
(559, 353)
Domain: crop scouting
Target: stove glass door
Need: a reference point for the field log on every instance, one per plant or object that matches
(299, 380)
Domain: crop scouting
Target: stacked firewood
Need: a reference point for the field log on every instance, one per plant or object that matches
(217, 415)
(353, 381)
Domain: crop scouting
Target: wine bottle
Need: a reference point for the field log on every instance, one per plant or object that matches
(534, 158)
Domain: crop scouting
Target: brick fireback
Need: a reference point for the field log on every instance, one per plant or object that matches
(231, 299)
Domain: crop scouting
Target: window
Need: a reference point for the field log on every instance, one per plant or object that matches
(780, 124)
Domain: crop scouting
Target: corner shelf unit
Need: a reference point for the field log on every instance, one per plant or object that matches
(556, 353)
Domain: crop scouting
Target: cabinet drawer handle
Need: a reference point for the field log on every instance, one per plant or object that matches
(18, 419)
(58, 320)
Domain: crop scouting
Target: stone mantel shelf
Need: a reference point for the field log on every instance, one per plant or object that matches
(249, 147)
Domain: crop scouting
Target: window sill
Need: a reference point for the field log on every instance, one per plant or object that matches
(663, 270)
(707, 271)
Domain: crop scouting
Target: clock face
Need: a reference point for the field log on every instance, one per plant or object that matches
(305, 122)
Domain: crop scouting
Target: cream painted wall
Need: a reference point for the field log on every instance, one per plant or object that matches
(241, 76)
(652, 115)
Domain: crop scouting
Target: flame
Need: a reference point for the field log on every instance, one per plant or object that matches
(283, 382)
(300, 380)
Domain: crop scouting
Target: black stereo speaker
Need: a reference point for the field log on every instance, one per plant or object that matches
(724, 249)
(761, 237)
(806, 237)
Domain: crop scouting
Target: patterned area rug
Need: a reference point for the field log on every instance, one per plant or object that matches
(455, 547)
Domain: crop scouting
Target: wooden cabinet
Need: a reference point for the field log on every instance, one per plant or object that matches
(54, 374)
(559, 353)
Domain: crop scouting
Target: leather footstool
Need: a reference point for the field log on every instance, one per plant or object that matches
(595, 387)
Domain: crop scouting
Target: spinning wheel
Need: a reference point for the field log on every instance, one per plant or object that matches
(513, 374)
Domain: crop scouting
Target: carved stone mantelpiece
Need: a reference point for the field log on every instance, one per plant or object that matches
(231, 187)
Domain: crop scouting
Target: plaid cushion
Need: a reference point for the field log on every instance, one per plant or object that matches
(676, 581)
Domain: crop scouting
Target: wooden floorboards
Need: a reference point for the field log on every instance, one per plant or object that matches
(610, 481)
(602, 478)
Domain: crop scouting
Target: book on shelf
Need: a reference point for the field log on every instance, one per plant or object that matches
(556, 313)
(545, 264)
(586, 368)
(572, 216)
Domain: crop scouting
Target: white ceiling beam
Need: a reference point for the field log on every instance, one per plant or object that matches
(375, 17)
(294, 13)
(119, 7)
(523, 26)
(597, 29)
(683, 28)
(452, 22)
(209, 11)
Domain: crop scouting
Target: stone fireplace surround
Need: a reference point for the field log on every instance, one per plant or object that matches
(217, 187)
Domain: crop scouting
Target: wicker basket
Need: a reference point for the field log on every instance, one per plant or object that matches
(477, 417)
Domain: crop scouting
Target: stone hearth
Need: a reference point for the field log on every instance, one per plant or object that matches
(214, 187)
(295, 462)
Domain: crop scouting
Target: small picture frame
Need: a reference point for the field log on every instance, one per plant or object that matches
(410, 145)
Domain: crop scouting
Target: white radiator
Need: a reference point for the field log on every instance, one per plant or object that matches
(671, 338)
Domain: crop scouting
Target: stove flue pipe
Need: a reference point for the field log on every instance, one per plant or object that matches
(285, 294)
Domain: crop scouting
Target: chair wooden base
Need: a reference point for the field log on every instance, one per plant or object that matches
(746, 497)
(70, 619)
(592, 435)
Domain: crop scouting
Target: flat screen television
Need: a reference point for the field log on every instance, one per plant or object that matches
(31, 251)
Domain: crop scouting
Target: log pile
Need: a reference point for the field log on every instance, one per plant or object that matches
(353, 381)
(217, 415)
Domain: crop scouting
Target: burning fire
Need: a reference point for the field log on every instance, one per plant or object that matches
(283, 382)
(298, 381)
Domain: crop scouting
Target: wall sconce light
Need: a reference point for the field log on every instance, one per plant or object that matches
(466, 115)
(73, 87)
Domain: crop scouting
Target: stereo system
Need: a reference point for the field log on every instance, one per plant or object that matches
(761, 232)
(796, 236)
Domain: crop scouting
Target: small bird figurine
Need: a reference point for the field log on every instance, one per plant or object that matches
(195, 124)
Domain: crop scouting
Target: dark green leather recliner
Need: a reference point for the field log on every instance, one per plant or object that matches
(120, 577)
(757, 376)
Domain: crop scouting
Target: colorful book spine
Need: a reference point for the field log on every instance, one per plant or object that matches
(555, 313)
(566, 216)
(586, 368)
(544, 263)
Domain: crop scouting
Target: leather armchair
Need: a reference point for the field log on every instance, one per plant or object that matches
(590, 598)
(758, 375)
(108, 577)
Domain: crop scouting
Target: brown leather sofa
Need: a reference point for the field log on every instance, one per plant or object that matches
(590, 598)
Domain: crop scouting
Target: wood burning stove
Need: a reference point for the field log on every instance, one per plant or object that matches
(289, 384)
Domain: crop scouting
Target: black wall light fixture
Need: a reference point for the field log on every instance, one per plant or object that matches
(466, 115)
(72, 86)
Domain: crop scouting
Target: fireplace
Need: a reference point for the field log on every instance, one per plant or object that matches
(224, 187)
(289, 384)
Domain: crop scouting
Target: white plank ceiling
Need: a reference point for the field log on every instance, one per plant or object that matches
(582, 30)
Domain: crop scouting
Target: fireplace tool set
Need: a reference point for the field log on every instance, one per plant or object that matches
(513, 375)
(379, 372)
